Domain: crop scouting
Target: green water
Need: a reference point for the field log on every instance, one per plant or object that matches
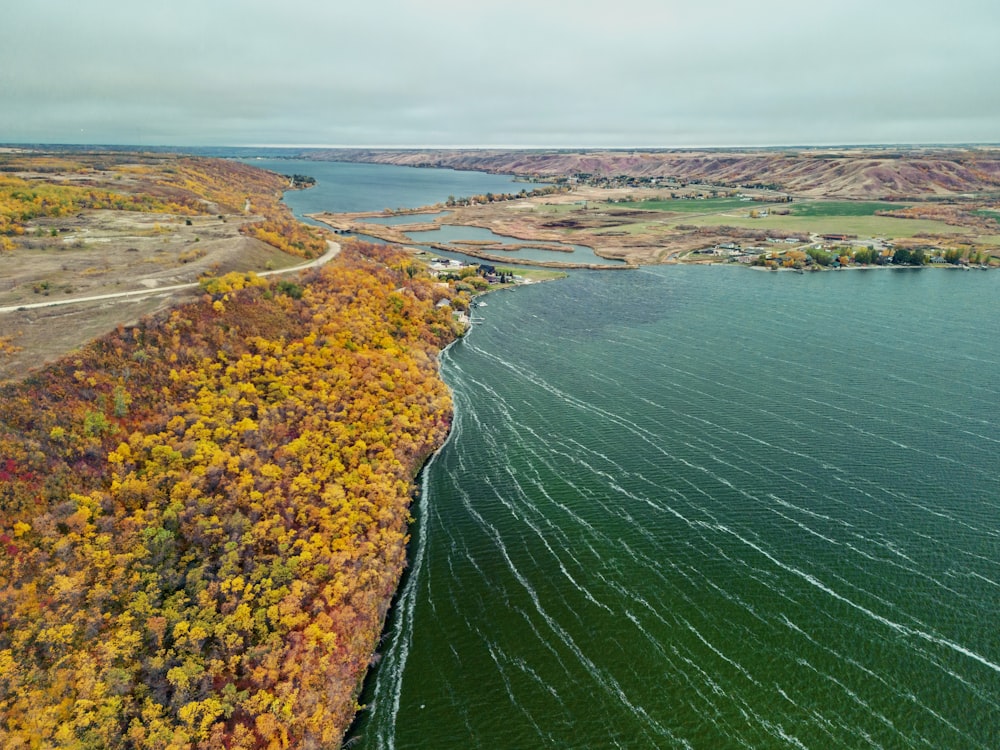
(709, 508)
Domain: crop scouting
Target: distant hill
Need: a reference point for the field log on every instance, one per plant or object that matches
(848, 173)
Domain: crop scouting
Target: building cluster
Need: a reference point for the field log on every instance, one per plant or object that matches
(449, 269)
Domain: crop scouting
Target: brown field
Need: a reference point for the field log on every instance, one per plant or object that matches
(91, 252)
(110, 252)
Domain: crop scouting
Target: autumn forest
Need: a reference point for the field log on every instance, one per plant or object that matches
(204, 515)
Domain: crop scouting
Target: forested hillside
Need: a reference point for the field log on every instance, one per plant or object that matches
(204, 516)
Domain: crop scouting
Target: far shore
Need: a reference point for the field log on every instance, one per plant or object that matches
(869, 267)
(493, 252)
(666, 217)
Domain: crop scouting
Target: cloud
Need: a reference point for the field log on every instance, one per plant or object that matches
(444, 72)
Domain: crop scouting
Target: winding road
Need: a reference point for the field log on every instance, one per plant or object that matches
(334, 249)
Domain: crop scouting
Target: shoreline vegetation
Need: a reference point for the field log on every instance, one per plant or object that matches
(811, 253)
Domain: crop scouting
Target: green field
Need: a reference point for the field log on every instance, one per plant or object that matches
(534, 274)
(862, 226)
(844, 208)
(814, 216)
(810, 209)
(708, 205)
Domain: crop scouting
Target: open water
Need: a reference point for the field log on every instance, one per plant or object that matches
(344, 187)
(709, 508)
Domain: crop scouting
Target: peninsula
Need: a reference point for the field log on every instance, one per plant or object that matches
(203, 505)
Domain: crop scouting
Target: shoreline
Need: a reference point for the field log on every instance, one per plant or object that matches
(403, 591)
(394, 629)
(885, 267)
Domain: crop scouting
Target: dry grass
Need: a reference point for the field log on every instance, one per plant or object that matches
(92, 252)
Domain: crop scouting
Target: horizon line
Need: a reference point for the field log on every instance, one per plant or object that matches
(411, 147)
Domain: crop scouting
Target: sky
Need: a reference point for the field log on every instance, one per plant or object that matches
(516, 73)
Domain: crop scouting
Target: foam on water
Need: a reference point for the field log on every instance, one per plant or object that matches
(656, 525)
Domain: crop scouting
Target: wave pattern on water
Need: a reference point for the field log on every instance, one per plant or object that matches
(705, 508)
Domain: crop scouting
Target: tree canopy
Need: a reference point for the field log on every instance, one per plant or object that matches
(205, 515)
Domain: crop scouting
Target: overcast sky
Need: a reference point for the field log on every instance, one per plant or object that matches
(619, 73)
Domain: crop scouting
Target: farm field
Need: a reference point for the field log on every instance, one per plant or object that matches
(812, 217)
(862, 226)
(689, 206)
(816, 217)
(844, 208)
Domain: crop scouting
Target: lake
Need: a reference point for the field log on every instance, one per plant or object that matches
(343, 187)
(707, 508)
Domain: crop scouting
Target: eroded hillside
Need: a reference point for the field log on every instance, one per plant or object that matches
(861, 173)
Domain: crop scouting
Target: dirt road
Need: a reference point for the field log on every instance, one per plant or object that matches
(334, 249)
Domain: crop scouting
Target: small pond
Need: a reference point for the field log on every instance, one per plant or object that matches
(452, 233)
